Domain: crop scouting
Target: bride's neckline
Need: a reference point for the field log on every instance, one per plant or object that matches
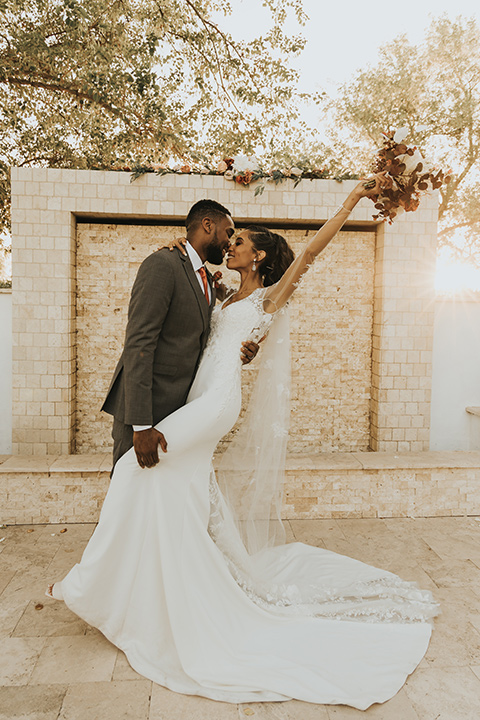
(223, 305)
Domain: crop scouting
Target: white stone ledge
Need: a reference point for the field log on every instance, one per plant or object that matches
(101, 462)
(71, 488)
(384, 460)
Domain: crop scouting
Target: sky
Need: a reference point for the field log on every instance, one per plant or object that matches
(344, 35)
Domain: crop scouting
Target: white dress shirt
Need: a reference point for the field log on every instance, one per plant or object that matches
(197, 263)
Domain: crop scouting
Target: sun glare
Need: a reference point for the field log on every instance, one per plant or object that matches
(456, 276)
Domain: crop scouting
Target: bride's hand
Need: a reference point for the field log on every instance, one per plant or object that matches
(372, 186)
(177, 243)
(249, 351)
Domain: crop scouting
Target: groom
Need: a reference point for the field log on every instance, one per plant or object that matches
(168, 323)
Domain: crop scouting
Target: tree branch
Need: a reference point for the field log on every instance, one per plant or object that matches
(72, 90)
(80, 95)
(219, 85)
(228, 43)
(221, 82)
(454, 184)
(456, 226)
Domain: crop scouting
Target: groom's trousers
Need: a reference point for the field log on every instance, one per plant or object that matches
(122, 440)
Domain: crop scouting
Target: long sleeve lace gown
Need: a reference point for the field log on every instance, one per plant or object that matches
(159, 580)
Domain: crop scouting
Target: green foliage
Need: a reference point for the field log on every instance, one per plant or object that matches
(434, 90)
(126, 83)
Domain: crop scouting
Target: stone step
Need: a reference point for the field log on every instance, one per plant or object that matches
(71, 488)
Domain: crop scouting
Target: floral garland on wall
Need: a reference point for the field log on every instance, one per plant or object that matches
(408, 175)
(245, 170)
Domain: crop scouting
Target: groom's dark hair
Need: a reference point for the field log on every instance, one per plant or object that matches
(202, 209)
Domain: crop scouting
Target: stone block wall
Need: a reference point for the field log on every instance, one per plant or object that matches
(331, 333)
(5, 371)
(404, 309)
(331, 320)
(47, 205)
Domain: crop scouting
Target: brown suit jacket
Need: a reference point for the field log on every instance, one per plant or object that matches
(167, 329)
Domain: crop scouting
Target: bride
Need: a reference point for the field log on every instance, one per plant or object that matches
(188, 573)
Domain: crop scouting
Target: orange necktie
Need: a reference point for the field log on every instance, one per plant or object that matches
(203, 275)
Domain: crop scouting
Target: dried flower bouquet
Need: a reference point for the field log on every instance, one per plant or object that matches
(408, 176)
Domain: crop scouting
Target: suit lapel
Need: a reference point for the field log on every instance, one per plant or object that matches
(192, 278)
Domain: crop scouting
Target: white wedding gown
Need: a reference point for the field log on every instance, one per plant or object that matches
(165, 576)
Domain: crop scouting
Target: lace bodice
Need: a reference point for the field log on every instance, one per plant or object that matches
(235, 323)
(230, 326)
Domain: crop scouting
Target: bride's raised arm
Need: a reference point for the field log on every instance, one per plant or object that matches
(277, 295)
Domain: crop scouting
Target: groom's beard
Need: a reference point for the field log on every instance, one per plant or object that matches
(215, 253)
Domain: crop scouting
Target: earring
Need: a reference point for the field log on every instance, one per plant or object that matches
(254, 267)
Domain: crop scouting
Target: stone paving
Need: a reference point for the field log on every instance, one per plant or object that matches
(53, 665)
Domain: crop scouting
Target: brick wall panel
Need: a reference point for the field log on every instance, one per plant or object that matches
(331, 333)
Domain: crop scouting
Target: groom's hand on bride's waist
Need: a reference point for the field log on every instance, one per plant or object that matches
(145, 444)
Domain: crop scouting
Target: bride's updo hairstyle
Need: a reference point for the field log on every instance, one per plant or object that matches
(278, 253)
